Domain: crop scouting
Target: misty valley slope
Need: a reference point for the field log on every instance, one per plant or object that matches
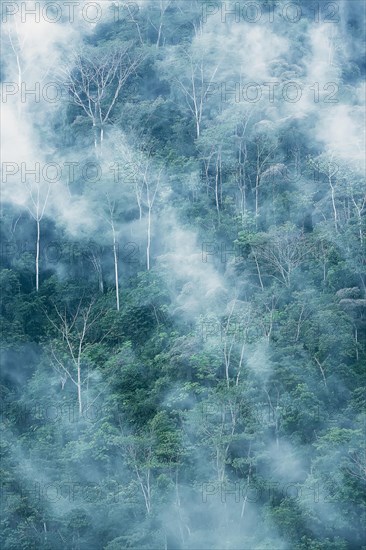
(183, 287)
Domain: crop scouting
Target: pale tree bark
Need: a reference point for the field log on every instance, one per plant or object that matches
(150, 199)
(221, 431)
(183, 525)
(285, 251)
(17, 33)
(37, 252)
(323, 256)
(38, 198)
(357, 464)
(17, 43)
(214, 158)
(163, 5)
(196, 86)
(218, 183)
(148, 180)
(265, 315)
(110, 221)
(300, 322)
(326, 166)
(275, 415)
(133, 19)
(207, 165)
(333, 203)
(95, 82)
(74, 329)
(242, 184)
(140, 457)
(322, 369)
(145, 182)
(264, 153)
(254, 254)
(228, 345)
(249, 476)
(359, 203)
(95, 260)
(138, 194)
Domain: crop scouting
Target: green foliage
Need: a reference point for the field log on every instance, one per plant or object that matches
(221, 403)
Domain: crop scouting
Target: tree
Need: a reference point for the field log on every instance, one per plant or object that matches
(94, 257)
(148, 191)
(70, 355)
(194, 74)
(265, 145)
(326, 166)
(158, 27)
(111, 209)
(143, 174)
(195, 86)
(95, 78)
(38, 194)
(17, 42)
(284, 250)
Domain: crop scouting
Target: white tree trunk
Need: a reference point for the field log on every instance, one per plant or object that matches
(217, 189)
(333, 204)
(79, 388)
(148, 238)
(101, 140)
(115, 255)
(37, 253)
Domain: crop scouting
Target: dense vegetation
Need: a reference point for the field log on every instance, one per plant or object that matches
(183, 312)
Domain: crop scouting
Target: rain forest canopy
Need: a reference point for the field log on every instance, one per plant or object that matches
(183, 283)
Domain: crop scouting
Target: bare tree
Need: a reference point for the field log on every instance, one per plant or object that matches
(196, 84)
(94, 257)
(74, 329)
(223, 151)
(17, 44)
(264, 150)
(356, 466)
(354, 196)
(242, 157)
(163, 6)
(38, 195)
(147, 183)
(14, 40)
(111, 221)
(139, 455)
(234, 335)
(284, 252)
(144, 176)
(324, 165)
(95, 80)
(151, 186)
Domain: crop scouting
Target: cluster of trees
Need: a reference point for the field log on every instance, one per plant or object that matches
(153, 397)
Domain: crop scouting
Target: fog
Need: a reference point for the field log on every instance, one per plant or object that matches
(238, 403)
